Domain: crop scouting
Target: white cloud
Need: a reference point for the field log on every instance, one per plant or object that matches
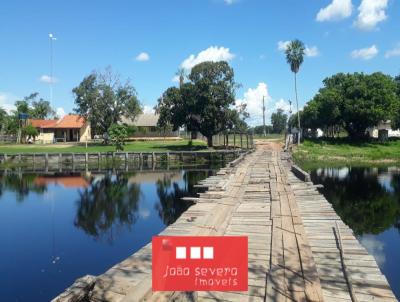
(371, 12)
(374, 247)
(282, 104)
(142, 57)
(7, 101)
(213, 53)
(395, 52)
(283, 45)
(253, 98)
(365, 53)
(337, 10)
(47, 79)
(148, 109)
(312, 51)
(60, 112)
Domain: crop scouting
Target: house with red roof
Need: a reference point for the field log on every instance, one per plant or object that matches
(69, 128)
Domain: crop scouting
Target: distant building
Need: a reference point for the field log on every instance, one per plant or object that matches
(70, 128)
(146, 124)
(385, 128)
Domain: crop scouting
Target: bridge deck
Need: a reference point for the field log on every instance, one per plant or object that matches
(299, 249)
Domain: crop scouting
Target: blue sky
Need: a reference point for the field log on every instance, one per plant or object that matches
(341, 35)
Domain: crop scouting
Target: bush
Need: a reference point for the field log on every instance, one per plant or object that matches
(118, 134)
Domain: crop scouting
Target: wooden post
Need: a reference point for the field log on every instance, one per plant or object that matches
(234, 140)
(247, 141)
(33, 159)
(126, 161)
(86, 159)
(73, 161)
(152, 158)
(167, 157)
(60, 162)
(5, 157)
(19, 158)
(98, 160)
(140, 157)
(46, 161)
(241, 140)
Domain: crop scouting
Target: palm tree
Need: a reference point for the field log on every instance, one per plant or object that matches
(295, 57)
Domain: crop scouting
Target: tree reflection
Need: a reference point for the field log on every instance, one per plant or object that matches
(108, 201)
(21, 184)
(361, 200)
(171, 205)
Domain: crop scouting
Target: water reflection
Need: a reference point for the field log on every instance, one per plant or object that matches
(21, 184)
(48, 222)
(171, 205)
(367, 199)
(108, 201)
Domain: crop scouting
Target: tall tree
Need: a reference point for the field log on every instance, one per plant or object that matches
(103, 100)
(278, 121)
(204, 103)
(295, 57)
(355, 102)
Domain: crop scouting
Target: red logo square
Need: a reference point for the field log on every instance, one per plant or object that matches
(202, 263)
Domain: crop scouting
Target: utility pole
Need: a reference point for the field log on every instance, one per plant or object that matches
(265, 131)
(51, 39)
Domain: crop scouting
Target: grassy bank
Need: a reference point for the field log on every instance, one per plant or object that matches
(312, 154)
(138, 146)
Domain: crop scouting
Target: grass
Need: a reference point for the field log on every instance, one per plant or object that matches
(317, 153)
(138, 146)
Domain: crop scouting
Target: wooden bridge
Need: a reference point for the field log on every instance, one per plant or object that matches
(299, 249)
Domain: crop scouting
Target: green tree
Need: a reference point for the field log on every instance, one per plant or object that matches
(35, 106)
(118, 135)
(365, 100)
(41, 109)
(202, 104)
(295, 57)
(103, 100)
(30, 132)
(278, 121)
(3, 115)
(397, 81)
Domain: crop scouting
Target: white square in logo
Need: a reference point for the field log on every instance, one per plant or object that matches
(180, 252)
(208, 252)
(195, 252)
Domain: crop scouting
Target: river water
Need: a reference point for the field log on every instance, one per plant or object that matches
(368, 201)
(55, 227)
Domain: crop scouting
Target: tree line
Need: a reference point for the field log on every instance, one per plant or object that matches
(353, 102)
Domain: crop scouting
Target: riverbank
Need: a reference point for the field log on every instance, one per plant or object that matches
(137, 146)
(312, 154)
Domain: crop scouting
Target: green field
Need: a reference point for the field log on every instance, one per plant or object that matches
(341, 152)
(137, 146)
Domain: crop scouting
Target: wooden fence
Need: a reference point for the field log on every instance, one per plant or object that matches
(121, 160)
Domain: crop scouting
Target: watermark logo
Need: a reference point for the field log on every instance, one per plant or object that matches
(202, 263)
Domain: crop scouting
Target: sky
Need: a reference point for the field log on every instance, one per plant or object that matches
(147, 41)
